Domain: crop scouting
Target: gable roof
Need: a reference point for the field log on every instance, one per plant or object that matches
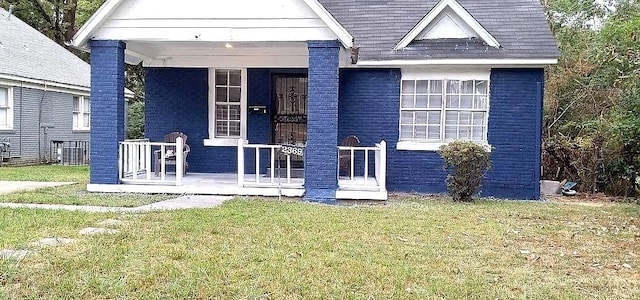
(26, 53)
(519, 26)
(85, 33)
(439, 9)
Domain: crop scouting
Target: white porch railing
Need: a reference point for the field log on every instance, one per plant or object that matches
(273, 178)
(363, 180)
(135, 161)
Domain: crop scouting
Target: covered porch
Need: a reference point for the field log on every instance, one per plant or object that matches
(263, 170)
(245, 79)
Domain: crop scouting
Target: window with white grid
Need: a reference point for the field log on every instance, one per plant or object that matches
(81, 112)
(6, 108)
(443, 110)
(228, 107)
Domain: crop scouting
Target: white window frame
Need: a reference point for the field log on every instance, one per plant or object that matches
(444, 75)
(81, 113)
(9, 108)
(213, 140)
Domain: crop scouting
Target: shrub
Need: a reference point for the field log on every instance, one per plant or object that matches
(466, 162)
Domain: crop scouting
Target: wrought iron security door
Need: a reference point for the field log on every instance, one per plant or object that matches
(290, 113)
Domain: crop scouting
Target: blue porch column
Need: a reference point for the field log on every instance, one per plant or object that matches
(107, 109)
(321, 161)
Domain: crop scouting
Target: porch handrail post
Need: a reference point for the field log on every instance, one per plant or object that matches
(240, 162)
(148, 152)
(179, 160)
(366, 166)
(120, 161)
(383, 166)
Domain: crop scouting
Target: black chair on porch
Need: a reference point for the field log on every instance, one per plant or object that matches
(170, 152)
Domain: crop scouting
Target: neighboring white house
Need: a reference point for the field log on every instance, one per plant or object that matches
(45, 109)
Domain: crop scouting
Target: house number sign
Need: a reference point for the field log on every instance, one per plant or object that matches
(292, 150)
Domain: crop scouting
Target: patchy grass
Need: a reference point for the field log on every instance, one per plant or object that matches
(78, 174)
(75, 194)
(249, 248)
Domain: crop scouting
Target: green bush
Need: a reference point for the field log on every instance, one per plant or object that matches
(466, 162)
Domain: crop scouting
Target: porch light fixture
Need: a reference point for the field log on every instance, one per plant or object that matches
(228, 46)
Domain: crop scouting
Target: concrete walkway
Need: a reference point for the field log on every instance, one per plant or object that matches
(184, 202)
(7, 187)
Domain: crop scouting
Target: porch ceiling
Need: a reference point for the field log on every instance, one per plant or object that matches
(219, 54)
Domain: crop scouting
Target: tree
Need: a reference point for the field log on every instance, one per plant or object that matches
(590, 109)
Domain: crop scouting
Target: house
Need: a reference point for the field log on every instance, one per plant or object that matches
(44, 98)
(267, 89)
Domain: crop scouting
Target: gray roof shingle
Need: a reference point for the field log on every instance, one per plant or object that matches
(520, 26)
(25, 52)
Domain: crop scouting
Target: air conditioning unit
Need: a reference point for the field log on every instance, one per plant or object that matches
(72, 156)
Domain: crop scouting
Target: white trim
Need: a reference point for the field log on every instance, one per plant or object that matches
(10, 109)
(81, 113)
(186, 189)
(494, 62)
(31, 83)
(425, 146)
(444, 76)
(435, 12)
(343, 35)
(84, 33)
(50, 86)
(226, 141)
(361, 195)
(479, 73)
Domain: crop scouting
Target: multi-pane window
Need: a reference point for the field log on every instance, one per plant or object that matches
(228, 107)
(444, 110)
(6, 113)
(81, 112)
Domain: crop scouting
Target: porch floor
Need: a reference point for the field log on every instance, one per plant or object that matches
(227, 184)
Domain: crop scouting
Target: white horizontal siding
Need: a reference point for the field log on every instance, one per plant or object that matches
(220, 21)
(213, 9)
(215, 34)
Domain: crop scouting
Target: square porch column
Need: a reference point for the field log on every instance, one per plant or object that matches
(107, 109)
(321, 160)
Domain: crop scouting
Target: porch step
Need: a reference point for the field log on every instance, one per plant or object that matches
(295, 172)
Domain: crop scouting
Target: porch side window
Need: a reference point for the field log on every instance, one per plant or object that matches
(436, 111)
(6, 108)
(227, 107)
(81, 112)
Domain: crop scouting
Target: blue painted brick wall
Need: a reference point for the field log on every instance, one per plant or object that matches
(514, 132)
(322, 126)
(369, 109)
(177, 100)
(107, 109)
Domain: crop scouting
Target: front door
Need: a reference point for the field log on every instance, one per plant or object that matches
(289, 120)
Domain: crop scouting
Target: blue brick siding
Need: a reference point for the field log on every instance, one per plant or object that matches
(322, 126)
(177, 100)
(514, 132)
(107, 109)
(369, 109)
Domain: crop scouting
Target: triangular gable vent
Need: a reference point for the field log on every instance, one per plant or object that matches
(447, 20)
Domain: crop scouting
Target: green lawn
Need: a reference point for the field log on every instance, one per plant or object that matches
(75, 194)
(265, 249)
